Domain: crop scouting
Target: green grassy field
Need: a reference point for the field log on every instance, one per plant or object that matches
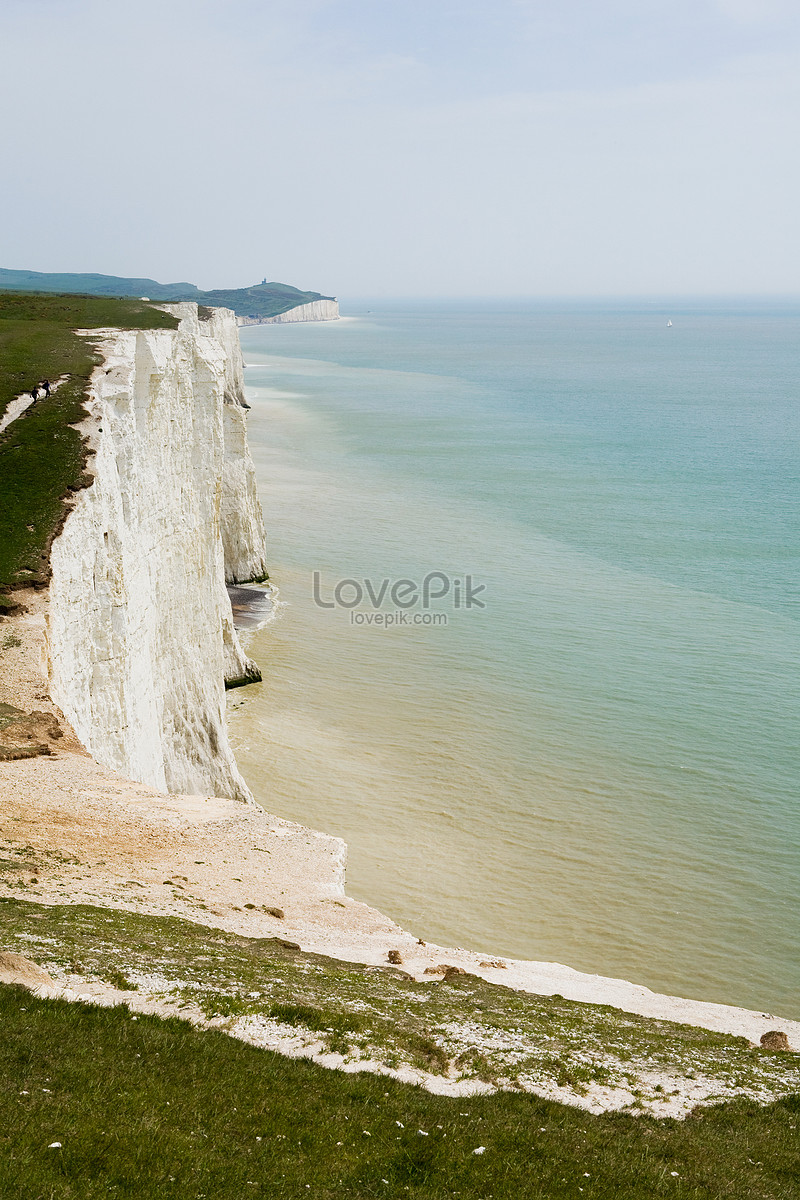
(145, 1107)
(41, 458)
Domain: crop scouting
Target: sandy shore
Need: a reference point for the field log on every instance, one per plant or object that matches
(98, 838)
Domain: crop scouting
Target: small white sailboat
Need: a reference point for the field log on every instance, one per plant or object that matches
(669, 324)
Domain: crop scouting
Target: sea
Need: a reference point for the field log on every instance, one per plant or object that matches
(535, 645)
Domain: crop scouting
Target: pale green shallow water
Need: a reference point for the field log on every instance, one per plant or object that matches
(600, 767)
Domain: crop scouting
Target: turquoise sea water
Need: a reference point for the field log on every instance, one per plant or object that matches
(601, 766)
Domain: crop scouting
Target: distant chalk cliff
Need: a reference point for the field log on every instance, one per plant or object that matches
(140, 635)
(317, 310)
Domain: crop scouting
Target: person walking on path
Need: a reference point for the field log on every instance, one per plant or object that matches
(45, 384)
(35, 393)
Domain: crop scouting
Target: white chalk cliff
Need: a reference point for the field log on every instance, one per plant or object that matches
(317, 310)
(140, 632)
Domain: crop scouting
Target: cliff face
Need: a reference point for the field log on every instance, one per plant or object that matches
(318, 310)
(241, 522)
(140, 631)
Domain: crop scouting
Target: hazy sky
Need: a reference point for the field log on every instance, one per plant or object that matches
(406, 147)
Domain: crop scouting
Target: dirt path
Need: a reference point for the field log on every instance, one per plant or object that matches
(22, 403)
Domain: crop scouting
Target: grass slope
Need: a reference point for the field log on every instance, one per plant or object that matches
(41, 457)
(262, 300)
(94, 285)
(463, 1028)
(145, 1107)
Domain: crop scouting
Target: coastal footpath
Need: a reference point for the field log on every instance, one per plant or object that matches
(118, 783)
